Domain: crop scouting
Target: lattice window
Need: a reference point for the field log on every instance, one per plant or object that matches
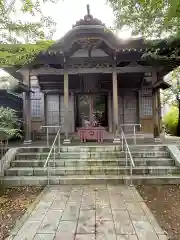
(37, 94)
(146, 91)
(36, 102)
(36, 106)
(146, 106)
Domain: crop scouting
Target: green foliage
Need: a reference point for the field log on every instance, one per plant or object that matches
(148, 17)
(171, 121)
(21, 54)
(172, 94)
(8, 124)
(8, 82)
(16, 30)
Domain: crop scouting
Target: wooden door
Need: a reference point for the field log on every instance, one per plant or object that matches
(53, 115)
(130, 110)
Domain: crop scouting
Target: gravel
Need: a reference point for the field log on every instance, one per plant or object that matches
(164, 202)
(13, 204)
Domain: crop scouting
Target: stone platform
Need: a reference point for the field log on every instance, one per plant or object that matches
(103, 212)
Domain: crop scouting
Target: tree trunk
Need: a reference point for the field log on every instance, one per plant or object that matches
(178, 125)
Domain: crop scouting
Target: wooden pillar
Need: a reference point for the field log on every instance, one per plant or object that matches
(159, 110)
(72, 112)
(155, 105)
(27, 109)
(115, 108)
(66, 106)
(109, 112)
(45, 109)
(156, 124)
(25, 117)
(91, 107)
(139, 107)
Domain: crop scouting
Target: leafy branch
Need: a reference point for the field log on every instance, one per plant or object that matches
(8, 123)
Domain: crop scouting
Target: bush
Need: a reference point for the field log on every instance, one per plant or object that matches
(8, 124)
(171, 121)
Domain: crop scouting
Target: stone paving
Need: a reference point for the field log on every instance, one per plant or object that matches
(102, 212)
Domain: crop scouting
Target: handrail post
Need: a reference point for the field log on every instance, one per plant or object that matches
(47, 132)
(128, 168)
(122, 141)
(52, 151)
(131, 173)
(59, 142)
(126, 156)
(54, 156)
(134, 135)
(48, 174)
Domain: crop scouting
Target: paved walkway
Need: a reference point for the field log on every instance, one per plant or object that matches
(102, 212)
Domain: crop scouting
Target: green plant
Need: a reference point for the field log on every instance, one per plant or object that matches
(8, 124)
(171, 120)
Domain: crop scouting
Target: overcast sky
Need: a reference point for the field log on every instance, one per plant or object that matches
(66, 13)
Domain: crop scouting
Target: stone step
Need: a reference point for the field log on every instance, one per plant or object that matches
(96, 148)
(34, 149)
(92, 148)
(91, 162)
(15, 181)
(33, 155)
(98, 170)
(110, 155)
(110, 148)
(92, 155)
(147, 147)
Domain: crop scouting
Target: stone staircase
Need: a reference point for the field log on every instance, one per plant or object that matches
(92, 165)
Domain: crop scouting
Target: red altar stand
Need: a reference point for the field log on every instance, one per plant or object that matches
(91, 133)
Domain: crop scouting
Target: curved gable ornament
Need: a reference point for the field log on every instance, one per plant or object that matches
(87, 28)
(88, 33)
(88, 20)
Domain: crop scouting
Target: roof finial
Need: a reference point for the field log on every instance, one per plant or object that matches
(88, 10)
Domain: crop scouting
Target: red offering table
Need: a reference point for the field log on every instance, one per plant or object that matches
(91, 133)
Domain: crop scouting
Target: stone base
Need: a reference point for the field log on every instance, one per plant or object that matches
(27, 142)
(116, 140)
(157, 140)
(67, 141)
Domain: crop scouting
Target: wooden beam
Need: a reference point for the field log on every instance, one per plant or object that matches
(94, 60)
(128, 69)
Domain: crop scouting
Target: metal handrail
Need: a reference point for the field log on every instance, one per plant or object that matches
(54, 142)
(127, 152)
(134, 125)
(53, 147)
(47, 131)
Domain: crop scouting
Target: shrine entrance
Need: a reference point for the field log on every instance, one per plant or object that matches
(91, 110)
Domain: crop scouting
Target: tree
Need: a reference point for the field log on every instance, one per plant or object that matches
(171, 121)
(16, 30)
(21, 41)
(172, 95)
(8, 124)
(155, 18)
(148, 17)
(8, 82)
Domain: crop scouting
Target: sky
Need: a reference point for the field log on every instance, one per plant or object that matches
(66, 12)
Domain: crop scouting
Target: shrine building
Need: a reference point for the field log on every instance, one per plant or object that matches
(91, 79)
